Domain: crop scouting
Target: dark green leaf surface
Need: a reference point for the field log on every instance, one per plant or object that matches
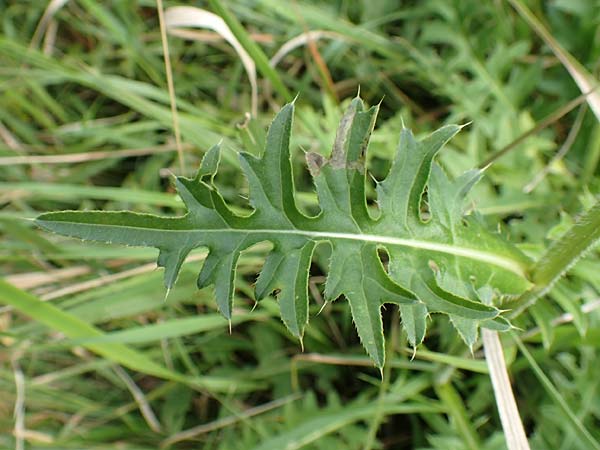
(436, 263)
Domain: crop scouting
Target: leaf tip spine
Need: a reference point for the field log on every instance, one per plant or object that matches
(293, 102)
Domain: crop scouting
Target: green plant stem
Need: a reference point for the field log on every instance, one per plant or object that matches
(255, 52)
(561, 256)
(563, 253)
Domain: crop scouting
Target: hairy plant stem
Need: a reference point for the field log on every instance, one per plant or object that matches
(561, 256)
(514, 432)
(565, 252)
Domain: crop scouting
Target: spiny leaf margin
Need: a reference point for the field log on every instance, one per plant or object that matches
(435, 265)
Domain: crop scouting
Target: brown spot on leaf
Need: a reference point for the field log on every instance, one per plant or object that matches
(314, 161)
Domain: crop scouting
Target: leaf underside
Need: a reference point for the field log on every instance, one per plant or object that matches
(434, 265)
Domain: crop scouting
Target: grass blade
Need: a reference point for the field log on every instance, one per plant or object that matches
(580, 75)
(170, 85)
(587, 440)
(188, 16)
(252, 48)
(314, 429)
(75, 328)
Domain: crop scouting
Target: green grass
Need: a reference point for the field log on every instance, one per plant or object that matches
(108, 363)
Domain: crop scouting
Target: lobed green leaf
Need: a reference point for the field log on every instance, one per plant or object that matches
(436, 262)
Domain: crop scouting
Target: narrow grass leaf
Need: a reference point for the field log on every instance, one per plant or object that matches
(316, 428)
(585, 437)
(189, 16)
(251, 47)
(75, 328)
(580, 75)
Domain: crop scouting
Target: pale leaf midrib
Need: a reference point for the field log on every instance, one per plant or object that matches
(509, 264)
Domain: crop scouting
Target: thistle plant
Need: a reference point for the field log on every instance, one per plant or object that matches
(441, 262)
(390, 235)
(416, 247)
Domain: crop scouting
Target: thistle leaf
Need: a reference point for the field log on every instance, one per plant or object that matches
(436, 263)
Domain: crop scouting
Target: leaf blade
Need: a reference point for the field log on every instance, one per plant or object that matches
(423, 266)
